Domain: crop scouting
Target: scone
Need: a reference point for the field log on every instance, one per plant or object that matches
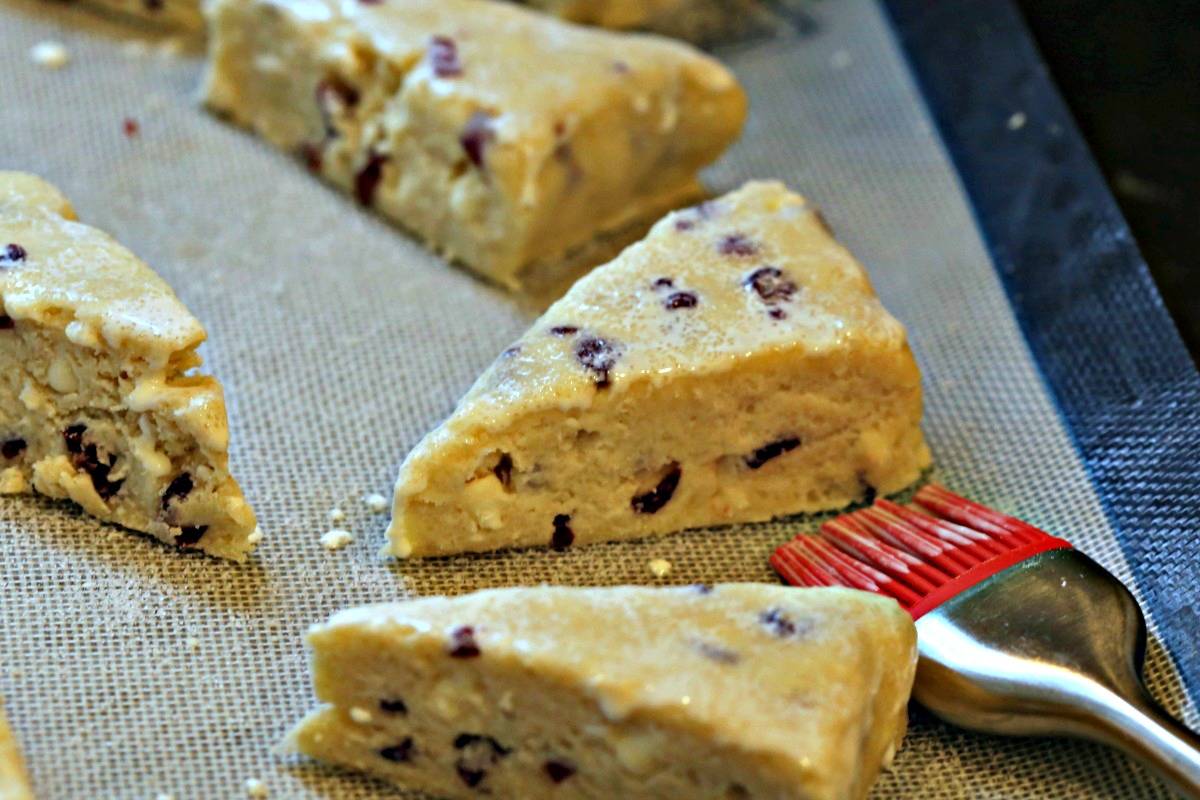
(501, 137)
(733, 366)
(693, 20)
(100, 402)
(733, 691)
(13, 783)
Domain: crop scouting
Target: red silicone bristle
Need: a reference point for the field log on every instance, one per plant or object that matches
(976, 545)
(810, 561)
(914, 540)
(966, 512)
(858, 540)
(920, 559)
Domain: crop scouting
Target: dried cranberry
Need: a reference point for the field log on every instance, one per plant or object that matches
(778, 622)
(503, 470)
(6, 323)
(367, 179)
(312, 156)
(558, 771)
(396, 706)
(471, 777)
(443, 55)
(777, 313)
(663, 283)
(705, 211)
(86, 456)
(190, 535)
(476, 135)
(769, 451)
(73, 438)
(770, 284)
(563, 536)
(563, 330)
(478, 753)
(737, 244)
(334, 89)
(12, 253)
(599, 356)
(659, 496)
(130, 126)
(462, 643)
(181, 487)
(714, 652)
(334, 96)
(681, 300)
(398, 753)
(12, 448)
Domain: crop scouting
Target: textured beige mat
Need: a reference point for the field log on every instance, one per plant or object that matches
(131, 670)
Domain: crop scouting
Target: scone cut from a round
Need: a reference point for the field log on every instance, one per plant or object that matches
(731, 691)
(100, 401)
(733, 366)
(14, 783)
(504, 139)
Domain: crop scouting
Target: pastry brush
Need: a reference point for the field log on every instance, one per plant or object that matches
(1018, 632)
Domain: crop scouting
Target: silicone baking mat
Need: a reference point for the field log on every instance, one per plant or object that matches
(131, 670)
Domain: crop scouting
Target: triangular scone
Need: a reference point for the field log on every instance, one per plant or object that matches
(14, 785)
(735, 365)
(733, 691)
(503, 138)
(99, 401)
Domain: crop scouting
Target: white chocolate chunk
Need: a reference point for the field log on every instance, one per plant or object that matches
(50, 55)
(336, 539)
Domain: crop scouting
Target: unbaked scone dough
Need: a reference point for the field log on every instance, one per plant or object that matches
(704, 693)
(733, 366)
(501, 137)
(14, 785)
(100, 401)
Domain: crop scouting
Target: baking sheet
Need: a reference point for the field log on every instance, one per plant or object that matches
(130, 670)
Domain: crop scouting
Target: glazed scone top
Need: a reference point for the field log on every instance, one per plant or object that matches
(751, 272)
(74, 277)
(789, 675)
(510, 62)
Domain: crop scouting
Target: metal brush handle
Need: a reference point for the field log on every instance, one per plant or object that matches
(1052, 646)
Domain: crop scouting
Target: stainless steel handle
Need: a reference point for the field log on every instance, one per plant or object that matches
(1053, 646)
(1141, 728)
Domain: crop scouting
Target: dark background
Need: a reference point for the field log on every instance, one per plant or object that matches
(1130, 72)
